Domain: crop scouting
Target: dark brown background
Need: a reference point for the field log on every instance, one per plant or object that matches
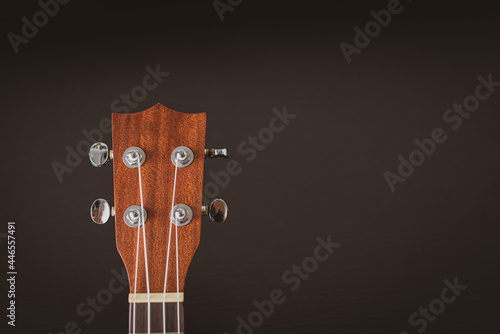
(322, 175)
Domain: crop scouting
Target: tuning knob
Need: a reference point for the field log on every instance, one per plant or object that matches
(100, 211)
(216, 153)
(100, 154)
(216, 211)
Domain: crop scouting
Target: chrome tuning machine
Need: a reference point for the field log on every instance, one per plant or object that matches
(216, 153)
(216, 211)
(100, 211)
(100, 154)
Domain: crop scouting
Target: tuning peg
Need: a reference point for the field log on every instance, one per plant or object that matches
(100, 154)
(216, 211)
(100, 211)
(216, 153)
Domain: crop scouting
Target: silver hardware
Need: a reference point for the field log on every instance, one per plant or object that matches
(184, 156)
(216, 211)
(100, 211)
(132, 155)
(216, 153)
(181, 215)
(133, 216)
(100, 154)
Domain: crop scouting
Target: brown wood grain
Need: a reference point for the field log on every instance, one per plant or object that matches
(158, 131)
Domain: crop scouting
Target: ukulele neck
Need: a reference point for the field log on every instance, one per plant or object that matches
(156, 317)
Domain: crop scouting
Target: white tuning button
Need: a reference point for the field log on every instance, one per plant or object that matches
(100, 211)
(100, 154)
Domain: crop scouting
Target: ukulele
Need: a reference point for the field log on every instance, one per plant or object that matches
(158, 181)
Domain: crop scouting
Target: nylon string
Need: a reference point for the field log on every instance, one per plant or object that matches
(168, 257)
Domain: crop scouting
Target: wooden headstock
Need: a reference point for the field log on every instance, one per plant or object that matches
(158, 131)
(152, 242)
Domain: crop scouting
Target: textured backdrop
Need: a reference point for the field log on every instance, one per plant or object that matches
(376, 158)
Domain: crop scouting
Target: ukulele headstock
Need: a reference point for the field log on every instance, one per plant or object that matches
(158, 157)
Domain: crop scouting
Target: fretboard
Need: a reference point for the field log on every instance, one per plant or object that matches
(157, 318)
